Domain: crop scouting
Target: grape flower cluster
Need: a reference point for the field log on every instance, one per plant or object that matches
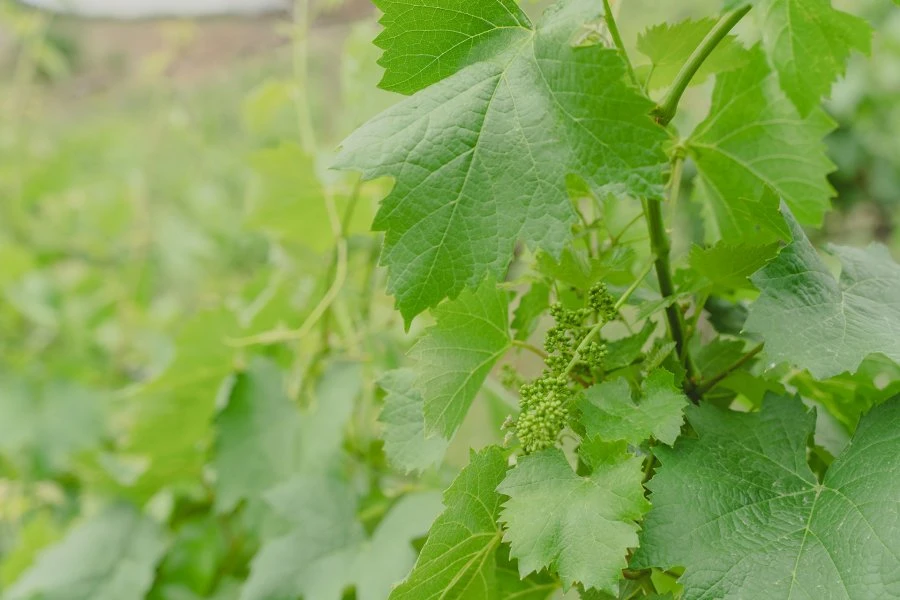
(545, 401)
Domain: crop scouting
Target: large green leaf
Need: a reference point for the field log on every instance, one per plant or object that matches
(455, 355)
(753, 149)
(403, 418)
(580, 526)
(812, 320)
(460, 560)
(742, 511)
(808, 43)
(110, 556)
(480, 159)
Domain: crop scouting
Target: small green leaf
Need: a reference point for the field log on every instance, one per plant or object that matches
(740, 508)
(110, 556)
(532, 305)
(608, 411)
(258, 436)
(753, 149)
(729, 266)
(810, 319)
(403, 418)
(580, 526)
(480, 159)
(456, 355)
(669, 46)
(809, 42)
(458, 561)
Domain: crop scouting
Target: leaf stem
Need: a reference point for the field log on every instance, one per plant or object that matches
(599, 324)
(530, 347)
(617, 40)
(659, 243)
(666, 110)
(712, 382)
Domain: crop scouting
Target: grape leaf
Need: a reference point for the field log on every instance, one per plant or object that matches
(729, 266)
(43, 425)
(753, 149)
(110, 556)
(810, 319)
(532, 306)
(173, 414)
(581, 526)
(740, 501)
(669, 46)
(608, 411)
(624, 351)
(457, 353)
(808, 43)
(291, 204)
(326, 415)
(258, 436)
(425, 41)
(327, 551)
(480, 159)
(403, 418)
(459, 559)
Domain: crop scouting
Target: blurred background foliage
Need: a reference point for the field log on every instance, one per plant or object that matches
(172, 240)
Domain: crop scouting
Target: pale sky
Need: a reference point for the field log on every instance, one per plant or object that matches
(149, 8)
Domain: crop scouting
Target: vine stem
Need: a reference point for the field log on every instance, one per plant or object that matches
(530, 347)
(666, 109)
(617, 40)
(599, 324)
(712, 382)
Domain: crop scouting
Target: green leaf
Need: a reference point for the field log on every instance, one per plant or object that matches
(457, 353)
(323, 423)
(729, 266)
(425, 41)
(44, 425)
(532, 305)
(258, 436)
(327, 552)
(403, 418)
(808, 43)
(812, 320)
(110, 556)
(753, 149)
(742, 511)
(480, 159)
(580, 526)
(624, 351)
(291, 204)
(173, 414)
(312, 559)
(458, 561)
(608, 411)
(669, 46)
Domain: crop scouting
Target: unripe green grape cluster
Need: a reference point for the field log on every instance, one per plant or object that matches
(545, 401)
